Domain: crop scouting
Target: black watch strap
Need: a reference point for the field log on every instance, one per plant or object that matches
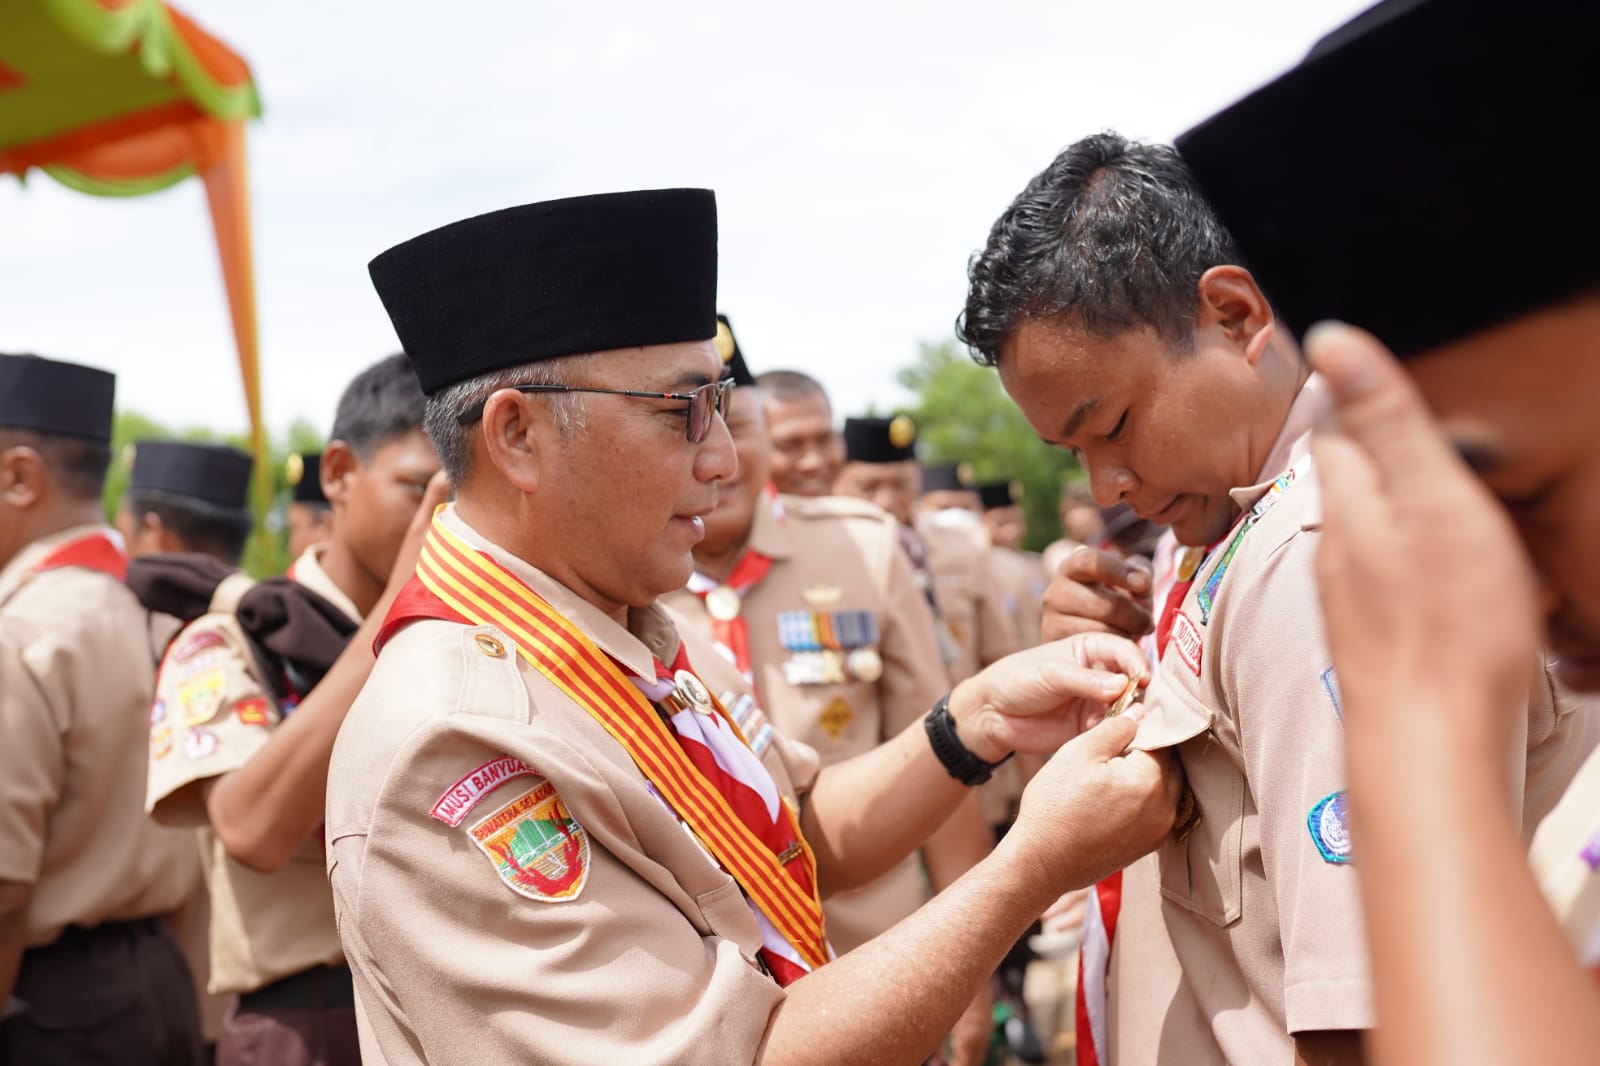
(958, 761)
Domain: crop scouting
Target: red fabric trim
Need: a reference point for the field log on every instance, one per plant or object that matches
(94, 551)
(414, 604)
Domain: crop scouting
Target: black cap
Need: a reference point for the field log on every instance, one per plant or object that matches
(733, 367)
(1425, 173)
(304, 471)
(212, 474)
(563, 277)
(947, 477)
(997, 494)
(53, 397)
(880, 440)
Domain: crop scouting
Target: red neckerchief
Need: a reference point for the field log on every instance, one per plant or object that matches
(92, 551)
(734, 633)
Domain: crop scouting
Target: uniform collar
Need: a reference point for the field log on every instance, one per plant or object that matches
(649, 635)
(307, 570)
(769, 534)
(18, 570)
(1294, 440)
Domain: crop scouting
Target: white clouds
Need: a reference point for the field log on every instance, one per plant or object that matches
(859, 152)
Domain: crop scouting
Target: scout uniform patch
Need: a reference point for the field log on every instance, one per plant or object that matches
(458, 800)
(1186, 640)
(199, 744)
(536, 846)
(195, 643)
(1330, 828)
(201, 697)
(161, 741)
(158, 712)
(252, 711)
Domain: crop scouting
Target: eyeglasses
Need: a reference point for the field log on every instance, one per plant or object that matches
(713, 396)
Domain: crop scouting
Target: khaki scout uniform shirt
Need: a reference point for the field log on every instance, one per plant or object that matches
(969, 603)
(1250, 930)
(1566, 859)
(75, 679)
(211, 715)
(650, 960)
(839, 558)
(1021, 579)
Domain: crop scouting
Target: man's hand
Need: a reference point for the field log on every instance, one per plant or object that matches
(1038, 699)
(1098, 592)
(1092, 810)
(1422, 577)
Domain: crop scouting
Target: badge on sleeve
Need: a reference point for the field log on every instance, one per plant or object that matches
(1330, 828)
(1186, 640)
(536, 846)
(201, 697)
(194, 643)
(252, 710)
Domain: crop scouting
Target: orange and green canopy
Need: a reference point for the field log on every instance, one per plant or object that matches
(126, 97)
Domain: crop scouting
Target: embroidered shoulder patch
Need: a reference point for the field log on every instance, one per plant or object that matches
(1186, 639)
(1330, 829)
(201, 697)
(458, 800)
(536, 846)
(194, 643)
(253, 710)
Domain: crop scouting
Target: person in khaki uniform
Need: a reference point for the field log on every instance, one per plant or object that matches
(1460, 482)
(188, 498)
(949, 558)
(221, 723)
(1242, 939)
(1021, 574)
(960, 561)
(88, 969)
(816, 603)
(509, 798)
(807, 450)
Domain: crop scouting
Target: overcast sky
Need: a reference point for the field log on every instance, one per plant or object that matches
(859, 152)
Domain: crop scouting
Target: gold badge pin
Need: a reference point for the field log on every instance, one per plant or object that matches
(723, 604)
(965, 475)
(129, 451)
(1124, 700)
(835, 717)
(692, 691)
(489, 645)
(866, 664)
(902, 431)
(294, 468)
(724, 341)
(822, 595)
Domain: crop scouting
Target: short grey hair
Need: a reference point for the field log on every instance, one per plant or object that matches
(453, 441)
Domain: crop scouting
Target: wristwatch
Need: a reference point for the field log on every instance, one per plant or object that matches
(957, 759)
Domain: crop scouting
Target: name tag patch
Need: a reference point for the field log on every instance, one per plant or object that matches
(536, 846)
(1330, 828)
(1186, 640)
(458, 800)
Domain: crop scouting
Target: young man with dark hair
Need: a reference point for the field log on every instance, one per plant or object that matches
(187, 498)
(1112, 301)
(1431, 602)
(88, 968)
(807, 450)
(249, 698)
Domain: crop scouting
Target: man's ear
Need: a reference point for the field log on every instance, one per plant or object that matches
(153, 530)
(339, 462)
(23, 477)
(514, 436)
(1232, 303)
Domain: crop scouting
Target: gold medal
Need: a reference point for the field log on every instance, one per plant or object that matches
(723, 603)
(866, 664)
(692, 692)
(1189, 562)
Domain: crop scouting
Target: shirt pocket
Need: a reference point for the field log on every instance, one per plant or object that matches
(1203, 874)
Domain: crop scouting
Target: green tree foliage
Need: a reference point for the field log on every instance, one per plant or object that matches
(963, 415)
(267, 551)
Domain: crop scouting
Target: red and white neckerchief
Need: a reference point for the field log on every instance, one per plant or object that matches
(735, 771)
(101, 551)
(728, 625)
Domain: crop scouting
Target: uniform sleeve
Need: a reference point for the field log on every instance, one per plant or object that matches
(914, 675)
(1563, 729)
(997, 633)
(210, 716)
(32, 763)
(519, 935)
(1275, 675)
